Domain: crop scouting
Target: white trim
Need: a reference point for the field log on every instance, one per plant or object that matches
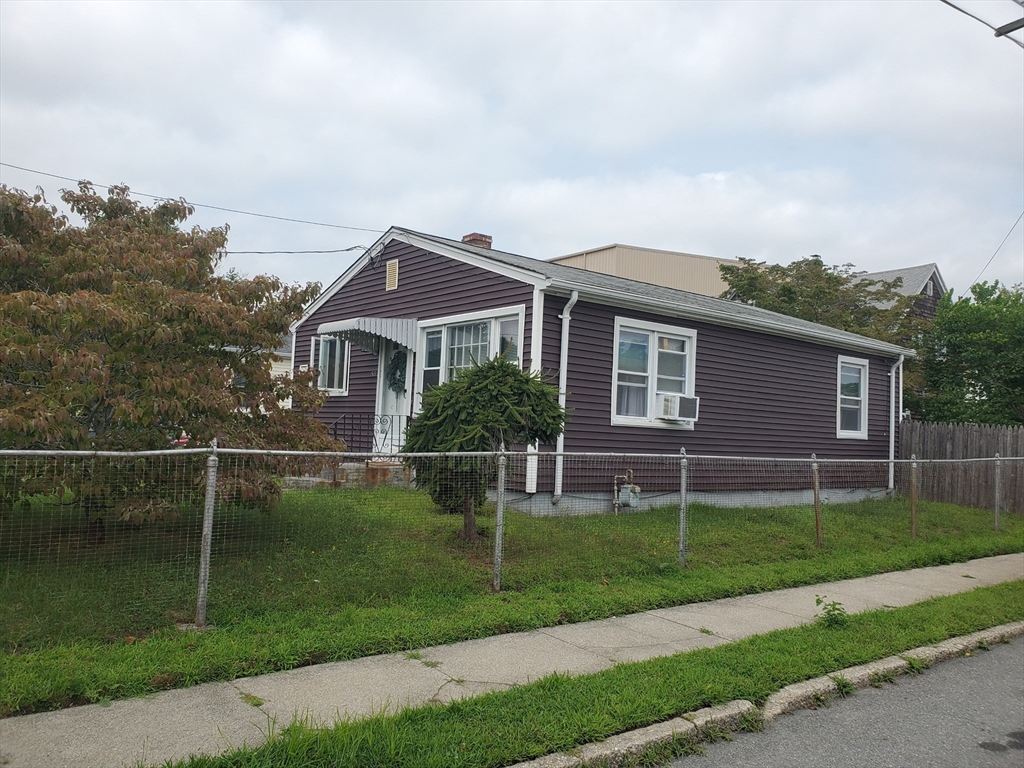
(894, 416)
(651, 419)
(506, 270)
(721, 316)
(441, 323)
(537, 331)
(470, 317)
(865, 385)
(336, 286)
(536, 366)
(563, 374)
(315, 344)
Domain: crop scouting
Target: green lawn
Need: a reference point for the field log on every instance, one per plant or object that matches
(559, 713)
(336, 574)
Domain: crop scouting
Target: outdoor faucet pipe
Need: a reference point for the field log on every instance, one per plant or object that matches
(563, 367)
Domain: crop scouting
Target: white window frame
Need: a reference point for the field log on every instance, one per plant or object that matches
(689, 335)
(316, 350)
(442, 324)
(864, 366)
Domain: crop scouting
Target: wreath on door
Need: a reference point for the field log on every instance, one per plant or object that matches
(394, 376)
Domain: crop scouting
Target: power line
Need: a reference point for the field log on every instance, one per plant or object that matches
(996, 251)
(201, 205)
(976, 18)
(270, 253)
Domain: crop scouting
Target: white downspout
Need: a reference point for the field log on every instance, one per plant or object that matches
(892, 416)
(536, 366)
(563, 372)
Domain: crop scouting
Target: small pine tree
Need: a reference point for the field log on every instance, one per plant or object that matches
(492, 405)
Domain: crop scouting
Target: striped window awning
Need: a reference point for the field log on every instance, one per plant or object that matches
(366, 332)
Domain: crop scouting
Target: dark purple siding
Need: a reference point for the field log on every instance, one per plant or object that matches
(925, 305)
(429, 285)
(760, 395)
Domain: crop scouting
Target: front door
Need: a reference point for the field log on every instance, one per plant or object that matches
(394, 381)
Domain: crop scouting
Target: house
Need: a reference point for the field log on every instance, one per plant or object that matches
(281, 364)
(672, 269)
(923, 281)
(700, 274)
(641, 367)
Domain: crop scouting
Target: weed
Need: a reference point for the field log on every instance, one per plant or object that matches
(713, 732)
(432, 664)
(252, 700)
(833, 614)
(706, 631)
(844, 687)
(661, 753)
(886, 676)
(917, 665)
(983, 646)
(752, 722)
(414, 655)
(821, 699)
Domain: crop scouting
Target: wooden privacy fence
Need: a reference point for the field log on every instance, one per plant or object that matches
(970, 483)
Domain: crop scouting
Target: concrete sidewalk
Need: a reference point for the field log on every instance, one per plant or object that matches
(215, 717)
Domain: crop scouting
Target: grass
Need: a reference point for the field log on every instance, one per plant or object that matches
(336, 575)
(560, 713)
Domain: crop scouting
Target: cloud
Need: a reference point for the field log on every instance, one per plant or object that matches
(871, 132)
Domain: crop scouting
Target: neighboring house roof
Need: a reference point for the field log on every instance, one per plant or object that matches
(914, 278)
(618, 291)
(673, 269)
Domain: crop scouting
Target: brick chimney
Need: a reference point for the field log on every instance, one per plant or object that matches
(480, 241)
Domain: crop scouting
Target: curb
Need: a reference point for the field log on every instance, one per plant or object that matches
(705, 724)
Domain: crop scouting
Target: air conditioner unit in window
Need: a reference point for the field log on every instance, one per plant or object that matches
(677, 408)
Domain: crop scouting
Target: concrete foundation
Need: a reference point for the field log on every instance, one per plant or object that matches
(593, 503)
(357, 474)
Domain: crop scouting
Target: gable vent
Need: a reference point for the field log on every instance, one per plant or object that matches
(391, 282)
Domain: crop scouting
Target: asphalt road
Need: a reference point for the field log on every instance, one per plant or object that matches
(963, 713)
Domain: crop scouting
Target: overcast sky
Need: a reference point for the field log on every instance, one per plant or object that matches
(882, 134)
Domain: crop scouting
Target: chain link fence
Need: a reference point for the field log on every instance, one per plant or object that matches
(104, 545)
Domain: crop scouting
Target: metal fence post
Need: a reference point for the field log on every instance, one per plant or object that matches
(499, 521)
(683, 462)
(913, 496)
(204, 555)
(999, 488)
(818, 534)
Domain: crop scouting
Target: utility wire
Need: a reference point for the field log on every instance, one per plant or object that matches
(968, 13)
(996, 251)
(269, 253)
(201, 205)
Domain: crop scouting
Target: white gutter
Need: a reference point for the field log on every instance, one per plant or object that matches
(892, 416)
(721, 315)
(563, 372)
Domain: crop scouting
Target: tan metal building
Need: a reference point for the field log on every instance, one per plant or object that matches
(683, 271)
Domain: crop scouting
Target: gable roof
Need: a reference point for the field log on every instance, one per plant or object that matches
(914, 278)
(618, 291)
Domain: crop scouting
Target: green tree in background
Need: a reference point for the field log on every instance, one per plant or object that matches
(483, 408)
(974, 358)
(118, 334)
(833, 296)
